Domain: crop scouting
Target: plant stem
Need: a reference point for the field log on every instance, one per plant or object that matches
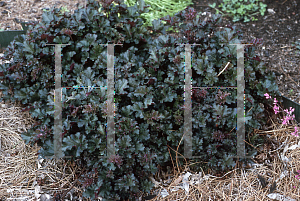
(254, 13)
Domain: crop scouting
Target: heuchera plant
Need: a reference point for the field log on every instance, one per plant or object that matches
(149, 91)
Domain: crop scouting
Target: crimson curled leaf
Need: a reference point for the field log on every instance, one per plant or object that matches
(50, 39)
(71, 68)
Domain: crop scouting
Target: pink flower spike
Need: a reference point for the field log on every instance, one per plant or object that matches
(286, 118)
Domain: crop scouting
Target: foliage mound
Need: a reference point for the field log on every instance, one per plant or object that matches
(149, 91)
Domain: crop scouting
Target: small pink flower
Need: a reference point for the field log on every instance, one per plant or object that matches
(276, 109)
(267, 96)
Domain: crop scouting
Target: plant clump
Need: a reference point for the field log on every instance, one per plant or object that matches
(149, 91)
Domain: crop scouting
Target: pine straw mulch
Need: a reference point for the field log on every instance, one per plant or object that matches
(271, 178)
(24, 177)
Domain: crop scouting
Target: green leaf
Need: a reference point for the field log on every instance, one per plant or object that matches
(169, 97)
(139, 147)
(124, 141)
(36, 113)
(156, 24)
(138, 108)
(47, 17)
(148, 101)
(21, 94)
(246, 19)
(82, 123)
(28, 47)
(140, 91)
(74, 140)
(100, 129)
(212, 5)
(96, 142)
(121, 84)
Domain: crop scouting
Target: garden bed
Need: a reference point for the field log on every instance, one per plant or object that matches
(24, 176)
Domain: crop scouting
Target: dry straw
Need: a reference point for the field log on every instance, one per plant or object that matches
(274, 171)
(22, 175)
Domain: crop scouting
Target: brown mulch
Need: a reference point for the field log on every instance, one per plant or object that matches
(25, 177)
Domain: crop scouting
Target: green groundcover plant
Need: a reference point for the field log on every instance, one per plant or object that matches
(241, 9)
